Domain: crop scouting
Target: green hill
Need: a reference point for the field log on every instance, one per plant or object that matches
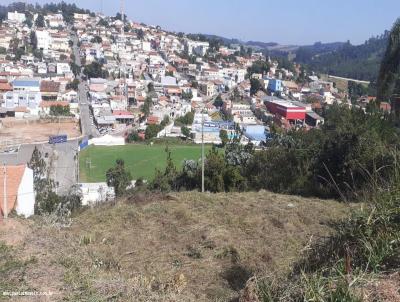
(359, 62)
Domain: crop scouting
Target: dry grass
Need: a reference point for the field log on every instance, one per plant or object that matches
(187, 247)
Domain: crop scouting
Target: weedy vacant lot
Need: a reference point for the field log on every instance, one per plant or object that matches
(180, 247)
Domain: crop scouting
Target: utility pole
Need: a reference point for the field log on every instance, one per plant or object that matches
(5, 206)
(202, 151)
(89, 164)
(77, 165)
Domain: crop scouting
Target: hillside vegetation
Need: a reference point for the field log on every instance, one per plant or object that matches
(359, 62)
(179, 247)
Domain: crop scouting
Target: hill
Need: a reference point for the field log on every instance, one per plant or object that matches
(359, 62)
(180, 247)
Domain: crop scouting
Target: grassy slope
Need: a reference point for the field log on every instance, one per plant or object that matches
(187, 247)
(141, 160)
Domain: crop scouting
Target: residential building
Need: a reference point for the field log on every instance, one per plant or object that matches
(19, 190)
(16, 17)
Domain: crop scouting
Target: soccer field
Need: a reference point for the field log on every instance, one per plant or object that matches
(140, 160)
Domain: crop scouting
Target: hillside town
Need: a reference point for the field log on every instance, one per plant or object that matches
(233, 151)
(102, 80)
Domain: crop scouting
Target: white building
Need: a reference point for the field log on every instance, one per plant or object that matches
(43, 40)
(196, 47)
(19, 190)
(63, 68)
(16, 17)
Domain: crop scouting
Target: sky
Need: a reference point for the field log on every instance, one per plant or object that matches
(299, 22)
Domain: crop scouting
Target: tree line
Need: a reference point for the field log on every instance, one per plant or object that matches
(336, 161)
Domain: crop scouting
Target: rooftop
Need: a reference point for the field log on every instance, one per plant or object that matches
(26, 83)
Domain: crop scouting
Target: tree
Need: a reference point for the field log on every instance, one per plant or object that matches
(133, 137)
(95, 70)
(152, 131)
(218, 102)
(150, 87)
(165, 181)
(188, 96)
(185, 131)
(73, 85)
(146, 106)
(388, 79)
(261, 67)
(118, 178)
(255, 86)
(165, 121)
(187, 119)
(38, 165)
(103, 23)
(223, 135)
(59, 110)
(140, 34)
(76, 70)
(19, 53)
(28, 19)
(46, 200)
(33, 40)
(97, 39)
(214, 172)
(118, 16)
(356, 90)
(40, 22)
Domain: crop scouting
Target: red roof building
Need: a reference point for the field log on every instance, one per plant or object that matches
(153, 120)
(286, 109)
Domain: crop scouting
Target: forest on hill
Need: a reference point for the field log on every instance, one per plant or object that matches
(359, 62)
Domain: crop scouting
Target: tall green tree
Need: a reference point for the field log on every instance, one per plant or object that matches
(40, 22)
(118, 178)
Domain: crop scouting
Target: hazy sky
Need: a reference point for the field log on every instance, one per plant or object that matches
(282, 21)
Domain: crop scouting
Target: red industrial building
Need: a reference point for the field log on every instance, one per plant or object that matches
(286, 109)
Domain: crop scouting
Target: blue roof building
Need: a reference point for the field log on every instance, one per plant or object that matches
(32, 85)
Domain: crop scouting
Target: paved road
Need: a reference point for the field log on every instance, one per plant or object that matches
(350, 80)
(61, 159)
(88, 129)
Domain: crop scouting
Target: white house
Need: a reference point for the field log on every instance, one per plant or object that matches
(19, 190)
(63, 68)
(16, 17)
(43, 40)
(14, 99)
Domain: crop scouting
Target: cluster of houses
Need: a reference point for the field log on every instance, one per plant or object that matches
(146, 67)
(38, 79)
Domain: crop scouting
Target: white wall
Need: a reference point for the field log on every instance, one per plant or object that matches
(95, 193)
(26, 196)
(107, 140)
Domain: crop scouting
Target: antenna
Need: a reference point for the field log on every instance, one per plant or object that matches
(123, 91)
(122, 2)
